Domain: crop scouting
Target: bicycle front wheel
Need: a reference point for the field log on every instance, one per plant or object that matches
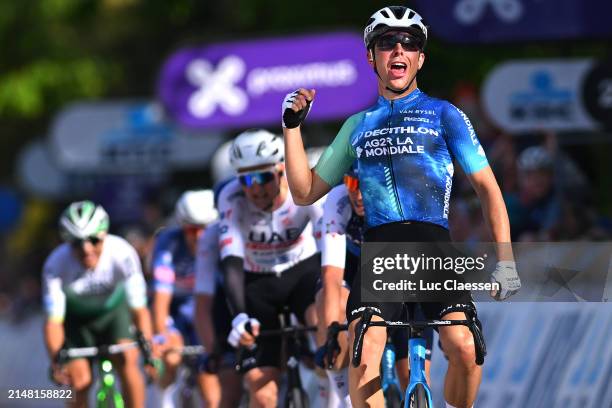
(418, 398)
(297, 399)
(393, 397)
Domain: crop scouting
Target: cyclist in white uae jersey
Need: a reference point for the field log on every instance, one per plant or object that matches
(91, 282)
(269, 255)
(404, 147)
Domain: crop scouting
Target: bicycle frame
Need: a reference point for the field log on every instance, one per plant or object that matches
(290, 338)
(417, 350)
(388, 376)
(416, 346)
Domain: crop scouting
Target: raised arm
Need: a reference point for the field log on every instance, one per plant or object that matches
(309, 185)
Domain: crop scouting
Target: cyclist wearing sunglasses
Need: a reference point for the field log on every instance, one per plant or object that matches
(404, 147)
(342, 227)
(93, 289)
(269, 256)
(173, 269)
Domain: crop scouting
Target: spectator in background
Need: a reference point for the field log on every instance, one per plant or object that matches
(536, 206)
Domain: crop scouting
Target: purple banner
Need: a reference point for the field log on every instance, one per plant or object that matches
(491, 21)
(242, 84)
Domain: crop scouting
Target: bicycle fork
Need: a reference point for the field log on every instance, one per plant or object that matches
(417, 348)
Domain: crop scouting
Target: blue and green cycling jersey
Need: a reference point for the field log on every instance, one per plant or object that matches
(404, 151)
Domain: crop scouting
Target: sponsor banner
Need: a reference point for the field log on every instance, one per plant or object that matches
(38, 174)
(540, 355)
(443, 272)
(490, 21)
(126, 137)
(548, 94)
(242, 84)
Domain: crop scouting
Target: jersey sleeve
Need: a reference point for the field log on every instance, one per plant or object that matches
(54, 298)
(339, 156)
(230, 234)
(207, 262)
(462, 141)
(162, 265)
(333, 229)
(135, 285)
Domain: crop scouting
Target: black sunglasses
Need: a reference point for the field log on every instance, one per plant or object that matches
(261, 178)
(407, 41)
(78, 243)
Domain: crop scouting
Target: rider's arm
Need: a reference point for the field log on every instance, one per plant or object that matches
(465, 147)
(161, 308)
(163, 283)
(206, 274)
(333, 254)
(54, 300)
(233, 276)
(203, 321)
(136, 292)
(331, 278)
(493, 210)
(142, 321)
(54, 337)
(306, 185)
(232, 246)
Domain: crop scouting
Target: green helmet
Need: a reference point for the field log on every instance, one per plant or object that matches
(83, 219)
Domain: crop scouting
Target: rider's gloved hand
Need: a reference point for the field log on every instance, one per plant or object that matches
(58, 374)
(240, 334)
(296, 106)
(505, 274)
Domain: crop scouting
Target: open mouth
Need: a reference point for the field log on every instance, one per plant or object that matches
(398, 69)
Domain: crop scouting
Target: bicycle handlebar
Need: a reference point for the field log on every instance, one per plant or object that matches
(366, 321)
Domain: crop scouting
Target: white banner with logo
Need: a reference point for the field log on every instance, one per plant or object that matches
(522, 96)
(126, 136)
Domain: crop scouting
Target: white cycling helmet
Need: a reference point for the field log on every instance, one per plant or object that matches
(83, 219)
(256, 147)
(394, 17)
(535, 158)
(196, 207)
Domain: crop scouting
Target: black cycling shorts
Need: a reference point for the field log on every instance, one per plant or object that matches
(407, 232)
(266, 296)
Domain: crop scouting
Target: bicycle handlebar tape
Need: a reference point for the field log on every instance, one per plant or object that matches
(293, 119)
(480, 346)
(360, 331)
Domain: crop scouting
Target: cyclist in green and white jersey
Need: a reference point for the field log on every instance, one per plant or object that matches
(93, 290)
(403, 148)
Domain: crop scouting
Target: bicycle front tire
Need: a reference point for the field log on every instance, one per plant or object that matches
(298, 399)
(393, 397)
(418, 398)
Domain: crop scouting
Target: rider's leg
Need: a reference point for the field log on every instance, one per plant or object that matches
(364, 380)
(262, 383)
(463, 375)
(79, 372)
(132, 381)
(171, 359)
(231, 391)
(210, 389)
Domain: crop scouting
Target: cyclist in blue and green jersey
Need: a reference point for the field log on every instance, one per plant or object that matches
(404, 147)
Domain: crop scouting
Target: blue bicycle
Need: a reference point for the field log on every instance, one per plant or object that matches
(418, 393)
